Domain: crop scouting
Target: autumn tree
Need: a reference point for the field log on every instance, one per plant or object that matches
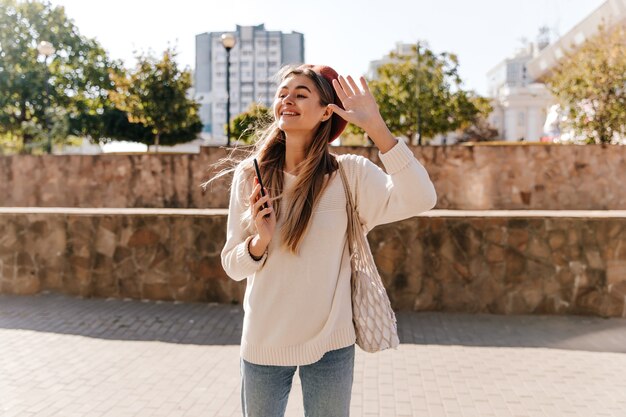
(590, 83)
(155, 96)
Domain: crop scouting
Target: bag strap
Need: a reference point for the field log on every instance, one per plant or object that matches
(346, 188)
(350, 207)
(361, 257)
(355, 229)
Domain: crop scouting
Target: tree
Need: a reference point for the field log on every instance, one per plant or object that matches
(431, 93)
(155, 95)
(242, 127)
(77, 74)
(590, 82)
(479, 130)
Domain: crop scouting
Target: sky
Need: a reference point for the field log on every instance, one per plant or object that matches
(346, 35)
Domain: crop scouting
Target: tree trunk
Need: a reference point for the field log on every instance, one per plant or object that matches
(156, 142)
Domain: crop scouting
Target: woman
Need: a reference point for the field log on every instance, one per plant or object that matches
(294, 252)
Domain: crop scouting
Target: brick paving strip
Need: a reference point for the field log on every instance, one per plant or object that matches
(63, 356)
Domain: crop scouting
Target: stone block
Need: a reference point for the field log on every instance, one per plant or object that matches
(495, 253)
(156, 291)
(594, 260)
(556, 239)
(105, 241)
(616, 271)
(517, 239)
(143, 237)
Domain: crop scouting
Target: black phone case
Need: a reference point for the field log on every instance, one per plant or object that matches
(258, 175)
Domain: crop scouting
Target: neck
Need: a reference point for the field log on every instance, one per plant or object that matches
(295, 151)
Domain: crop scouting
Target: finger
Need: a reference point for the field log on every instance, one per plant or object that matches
(366, 88)
(255, 193)
(339, 90)
(338, 111)
(259, 203)
(266, 212)
(264, 199)
(346, 87)
(353, 85)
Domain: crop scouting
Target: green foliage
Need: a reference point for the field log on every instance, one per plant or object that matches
(432, 89)
(591, 83)
(244, 125)
(155, 96)
(76, 75)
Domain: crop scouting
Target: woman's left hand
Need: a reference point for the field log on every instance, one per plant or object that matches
(360, 106)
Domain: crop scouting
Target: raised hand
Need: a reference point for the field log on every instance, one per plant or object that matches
(359, 103)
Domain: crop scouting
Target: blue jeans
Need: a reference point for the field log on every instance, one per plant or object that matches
(326, 386)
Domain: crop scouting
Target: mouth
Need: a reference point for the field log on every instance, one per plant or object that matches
(288, 114)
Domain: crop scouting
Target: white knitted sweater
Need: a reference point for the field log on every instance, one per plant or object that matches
(292, 313)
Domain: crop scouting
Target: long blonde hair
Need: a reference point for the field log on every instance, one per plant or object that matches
(269, 150)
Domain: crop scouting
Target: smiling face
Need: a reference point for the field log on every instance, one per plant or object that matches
(298, 108)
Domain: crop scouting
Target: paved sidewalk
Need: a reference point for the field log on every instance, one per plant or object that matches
(62, 356)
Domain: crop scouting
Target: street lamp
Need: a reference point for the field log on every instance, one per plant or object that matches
(46, 49)
(418, 81)
(228, 41)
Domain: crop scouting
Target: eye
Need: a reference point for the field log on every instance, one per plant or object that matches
(301, 96)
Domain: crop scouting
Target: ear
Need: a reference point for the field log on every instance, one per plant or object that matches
(328, 113)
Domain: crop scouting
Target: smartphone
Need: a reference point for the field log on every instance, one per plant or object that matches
(258, 175)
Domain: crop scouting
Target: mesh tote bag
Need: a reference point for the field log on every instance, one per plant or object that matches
(374, 320)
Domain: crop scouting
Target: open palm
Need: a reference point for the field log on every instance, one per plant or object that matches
(360, 107)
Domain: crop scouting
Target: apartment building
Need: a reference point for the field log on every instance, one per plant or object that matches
(254, 61)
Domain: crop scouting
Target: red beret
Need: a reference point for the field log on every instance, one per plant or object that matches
(337, 123)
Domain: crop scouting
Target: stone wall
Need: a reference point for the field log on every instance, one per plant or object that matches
(140, 254)
(538, 177)
(495, 262)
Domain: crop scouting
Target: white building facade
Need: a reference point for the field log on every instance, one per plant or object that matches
(400, 49)
(519, 104)
(254, 62)
(521, 100)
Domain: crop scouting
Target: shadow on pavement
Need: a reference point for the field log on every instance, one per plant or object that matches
(571, 332)
(218, 324)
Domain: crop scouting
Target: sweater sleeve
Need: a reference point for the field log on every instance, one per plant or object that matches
(404, 191)
(236, 259)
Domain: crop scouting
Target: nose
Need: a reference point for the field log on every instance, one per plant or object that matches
(288, 99)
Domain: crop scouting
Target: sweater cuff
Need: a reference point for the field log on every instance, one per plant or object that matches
(245, 258)
(397, 157)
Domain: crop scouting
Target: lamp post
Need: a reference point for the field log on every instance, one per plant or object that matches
(228, 41)
(46, 49)
(418, 81)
